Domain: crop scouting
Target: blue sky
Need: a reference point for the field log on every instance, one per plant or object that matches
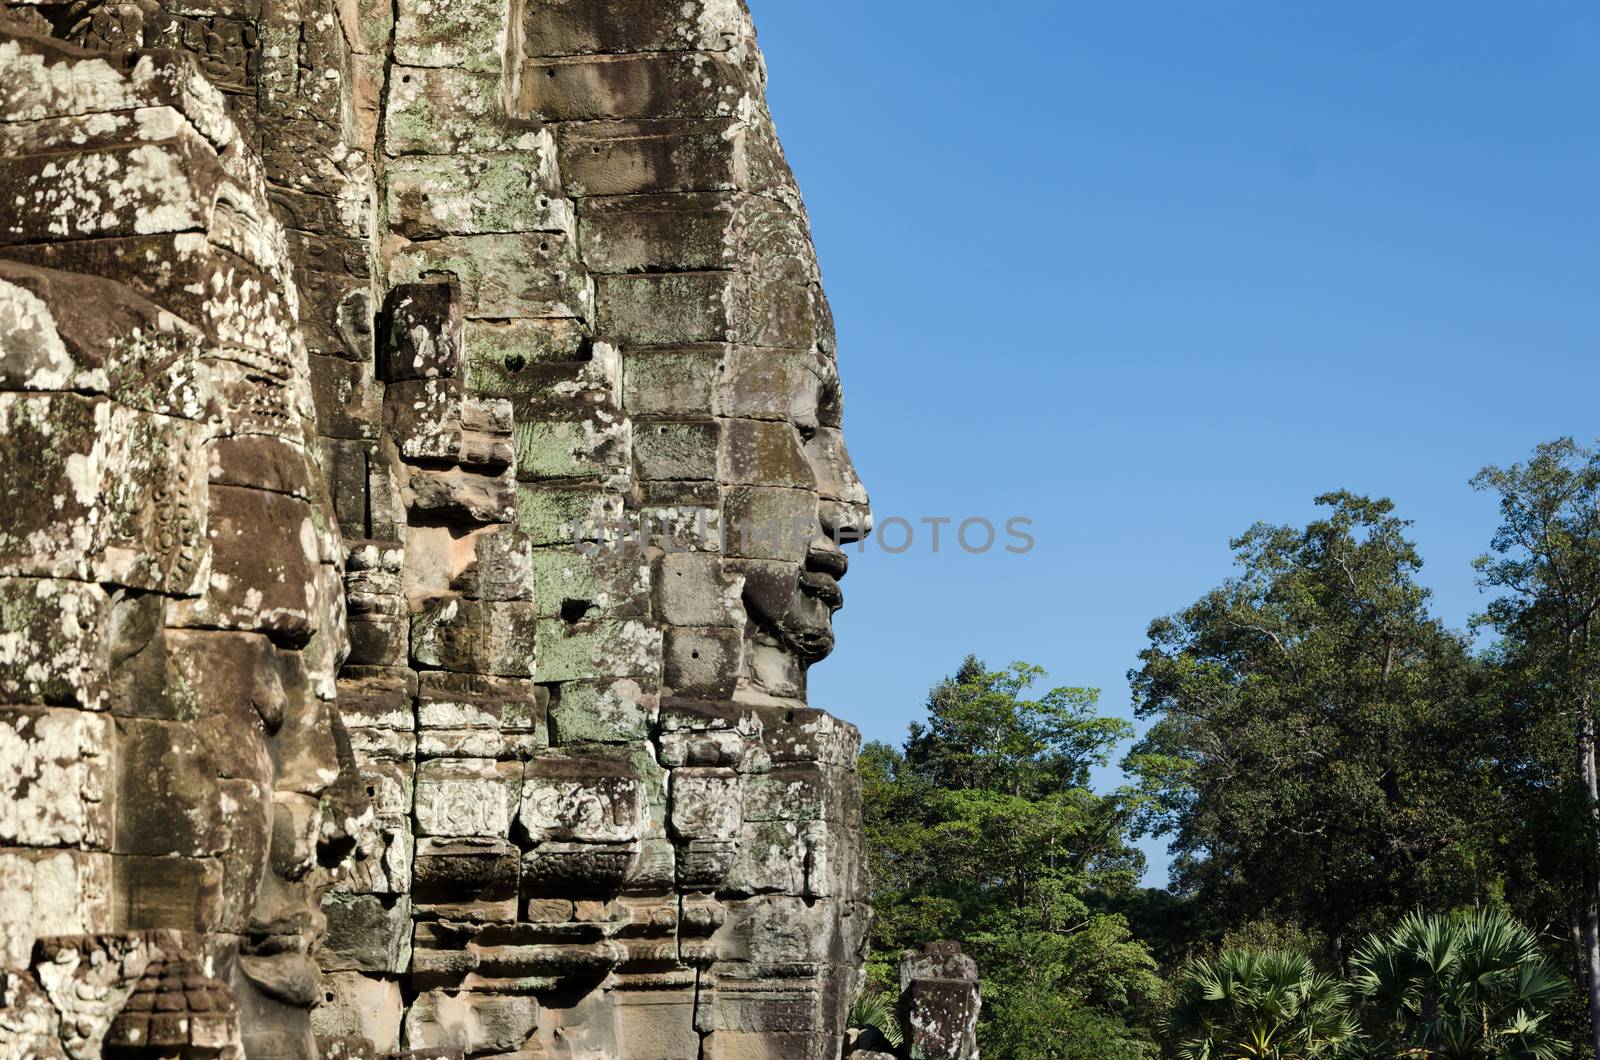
(1147, 273)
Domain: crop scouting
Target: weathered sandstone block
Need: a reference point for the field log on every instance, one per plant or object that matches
(418, 424)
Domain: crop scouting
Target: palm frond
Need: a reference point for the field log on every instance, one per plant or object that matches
(878, 1011)
(1471, 985)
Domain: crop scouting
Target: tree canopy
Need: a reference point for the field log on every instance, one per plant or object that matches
(1296, 715)
(983, 828)
(1386, 832)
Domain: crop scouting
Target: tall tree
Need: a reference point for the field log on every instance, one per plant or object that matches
(983, 828)
(1545, 562)
(1298, 714)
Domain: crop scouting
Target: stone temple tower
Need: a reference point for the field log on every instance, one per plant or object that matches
(422, 492)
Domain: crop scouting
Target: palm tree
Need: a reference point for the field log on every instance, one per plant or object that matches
(877, 1011)
(1259, 1005)
(1459, 988)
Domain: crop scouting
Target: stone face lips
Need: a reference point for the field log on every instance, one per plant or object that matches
(418, 425)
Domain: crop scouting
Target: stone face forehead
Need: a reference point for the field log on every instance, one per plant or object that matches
(467, 369)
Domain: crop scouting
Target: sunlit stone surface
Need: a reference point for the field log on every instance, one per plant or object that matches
(419, 451)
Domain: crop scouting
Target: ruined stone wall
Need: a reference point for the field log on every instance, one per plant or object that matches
(552, 282)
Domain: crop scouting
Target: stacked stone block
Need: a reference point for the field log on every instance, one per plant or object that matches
(939, 1003)
(508, 313)
(169, 579)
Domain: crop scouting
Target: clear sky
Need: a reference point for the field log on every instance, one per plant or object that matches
(1149, 272)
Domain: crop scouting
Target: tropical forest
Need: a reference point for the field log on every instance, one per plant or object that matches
(1383, 829)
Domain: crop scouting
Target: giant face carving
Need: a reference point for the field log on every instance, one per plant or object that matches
(791, 598)
(792, 496)
(160, 476)
(553, 270)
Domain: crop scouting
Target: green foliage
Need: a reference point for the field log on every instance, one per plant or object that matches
(1056, 1027)
(1459, 988)
(1545, 557)
(1467, 987)
(1318, 751)
(1260, 1005)
(1545, 564)
(982, 828)
(877, 1010)
(982, 735)
(1286, 936)
(1325, 757)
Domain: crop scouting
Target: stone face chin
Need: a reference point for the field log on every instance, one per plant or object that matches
(341, 713)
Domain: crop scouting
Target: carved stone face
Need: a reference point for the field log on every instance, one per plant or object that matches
(155, 386)
(791, 597)
(792, 493)
(552, 271)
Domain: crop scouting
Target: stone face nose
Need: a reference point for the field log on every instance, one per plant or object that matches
(347, 807)
(845, 523)
(844, 508)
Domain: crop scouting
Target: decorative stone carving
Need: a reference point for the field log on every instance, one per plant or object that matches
(422, 426)
(30, 1026)
(176, 1009)
(172, 622)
